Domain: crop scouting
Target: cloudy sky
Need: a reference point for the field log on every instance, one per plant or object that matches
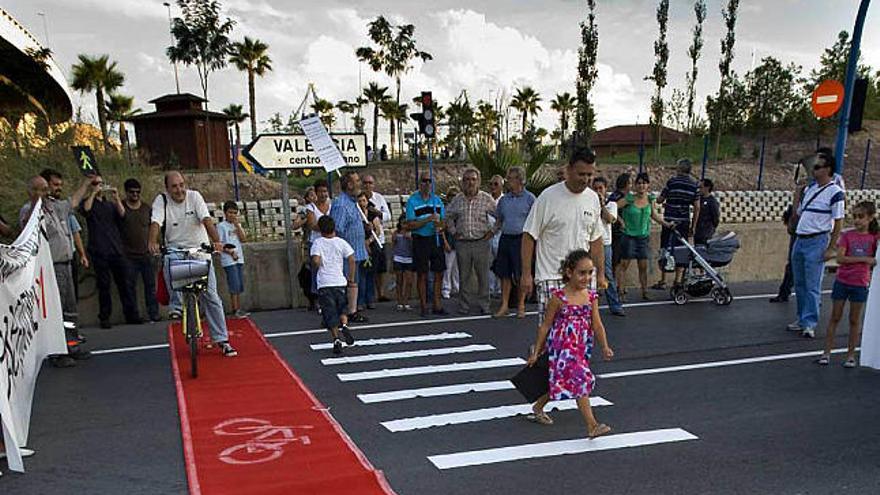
(486, 47)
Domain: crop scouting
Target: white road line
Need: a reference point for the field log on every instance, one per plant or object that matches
(428, 370)
(130, 349)
(474, 415)
(486, 317)
(562, 447)
(399, 340)
(461, 388)
(387, 356)
(715, 364)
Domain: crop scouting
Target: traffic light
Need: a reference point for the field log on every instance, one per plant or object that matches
(426, 122)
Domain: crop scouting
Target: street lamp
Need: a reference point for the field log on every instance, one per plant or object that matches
(171, 36)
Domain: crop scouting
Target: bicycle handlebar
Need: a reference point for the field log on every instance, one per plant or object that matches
(203, 248)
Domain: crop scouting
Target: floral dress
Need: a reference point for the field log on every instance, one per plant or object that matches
(569, 345)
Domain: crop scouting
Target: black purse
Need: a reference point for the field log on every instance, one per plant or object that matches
(534, 381)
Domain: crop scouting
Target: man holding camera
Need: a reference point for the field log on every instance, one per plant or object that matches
(103, 210)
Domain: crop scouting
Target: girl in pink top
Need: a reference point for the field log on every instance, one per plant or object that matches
(855, 255)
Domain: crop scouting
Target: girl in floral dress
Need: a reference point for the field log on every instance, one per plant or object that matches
(571, 323)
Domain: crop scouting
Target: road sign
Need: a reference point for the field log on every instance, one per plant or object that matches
(827, 98)
(286, 151)
(85, 160)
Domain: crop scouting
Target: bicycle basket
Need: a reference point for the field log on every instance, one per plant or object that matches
(187, 272)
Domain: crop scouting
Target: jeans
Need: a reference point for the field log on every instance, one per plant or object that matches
(210, 300)
(807, 268)
(64, 281)
(117, 268)
(787, 282)
(366, 284)
(611, 294)
(143, 267)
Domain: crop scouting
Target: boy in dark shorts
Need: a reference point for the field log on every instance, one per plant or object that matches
(329, 253)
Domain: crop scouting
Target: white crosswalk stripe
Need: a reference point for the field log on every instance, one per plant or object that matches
(460, 388)
(562, 447)
(398, 340)
(387, 356)
(431, 369)
(485, 414)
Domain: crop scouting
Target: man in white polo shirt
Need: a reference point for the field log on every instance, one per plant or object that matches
(566, 216)
(821, 211)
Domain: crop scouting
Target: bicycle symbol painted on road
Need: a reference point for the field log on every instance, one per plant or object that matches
(266, 444)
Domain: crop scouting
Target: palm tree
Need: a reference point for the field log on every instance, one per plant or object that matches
(119, 110)
(97, 74)
(460, 117)
(236, 117)
(487, 121)
(346, 107)
(251, 56)
(377, 96)
(325, 109)
(526, 101)
(564, 103)
(359, 120)
(394, 113)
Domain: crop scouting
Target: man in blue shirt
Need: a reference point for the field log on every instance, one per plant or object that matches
(680, 194)
(513, 209)
(424, 215)
(350, 227)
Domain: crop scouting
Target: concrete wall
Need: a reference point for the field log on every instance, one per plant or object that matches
(267, 285)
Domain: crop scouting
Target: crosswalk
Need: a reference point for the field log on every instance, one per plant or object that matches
(396, 366)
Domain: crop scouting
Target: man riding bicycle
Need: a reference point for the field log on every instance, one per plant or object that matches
(182, 217)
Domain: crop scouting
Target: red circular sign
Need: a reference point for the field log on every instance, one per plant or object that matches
(827, 98)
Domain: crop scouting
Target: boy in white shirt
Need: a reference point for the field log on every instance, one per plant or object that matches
(232, 256)
(328, 254)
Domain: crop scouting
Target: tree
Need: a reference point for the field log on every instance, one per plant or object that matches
(729, 15)
(250, 55)
(773, 96)
(395, 50)
(526, 102)
(100, 75)
(486, 122)
(394, 113)
(236, 117)
(676, 110)
(202, 40)
(377, 96)
(324, 109)
(119, 110)
(585, 117)
(564, 104)
(694, 54)
(658, 75)
(345, 107)
(460, 117)
(359, 120)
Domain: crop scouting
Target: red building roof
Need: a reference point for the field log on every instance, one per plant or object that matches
(632, 135)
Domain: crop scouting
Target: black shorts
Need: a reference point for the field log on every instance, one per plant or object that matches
(377, 257)
(334, 304)
(427, 255)
(508, 261)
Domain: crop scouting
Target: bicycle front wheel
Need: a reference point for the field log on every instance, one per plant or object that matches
(192, 333)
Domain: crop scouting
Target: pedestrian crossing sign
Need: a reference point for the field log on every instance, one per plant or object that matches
(85, 160)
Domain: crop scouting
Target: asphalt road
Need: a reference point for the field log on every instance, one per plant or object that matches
(780, 425)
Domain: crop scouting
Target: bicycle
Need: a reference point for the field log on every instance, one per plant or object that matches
(189, 275)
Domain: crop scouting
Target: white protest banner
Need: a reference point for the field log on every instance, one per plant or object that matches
(31, 328)
(331, 157)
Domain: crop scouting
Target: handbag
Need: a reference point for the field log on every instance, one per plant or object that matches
(534, 381)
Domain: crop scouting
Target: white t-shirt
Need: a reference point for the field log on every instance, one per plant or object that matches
(312, 207)
(611, 206)
(379, 202)
(821, 212)
(560, 222)
(228, 235)
(184, 229)
(334, 253)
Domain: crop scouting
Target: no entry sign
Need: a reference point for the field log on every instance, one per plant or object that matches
(827, 98)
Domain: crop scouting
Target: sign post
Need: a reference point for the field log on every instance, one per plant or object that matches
(284, 152)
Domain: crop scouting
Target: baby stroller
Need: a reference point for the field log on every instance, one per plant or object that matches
(700, 263)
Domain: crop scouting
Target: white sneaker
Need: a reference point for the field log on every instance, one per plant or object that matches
(795, 326)
(25, 452)
(809, 332)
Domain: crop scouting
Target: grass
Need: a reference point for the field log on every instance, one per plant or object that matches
(16, 170)
(669, 154)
